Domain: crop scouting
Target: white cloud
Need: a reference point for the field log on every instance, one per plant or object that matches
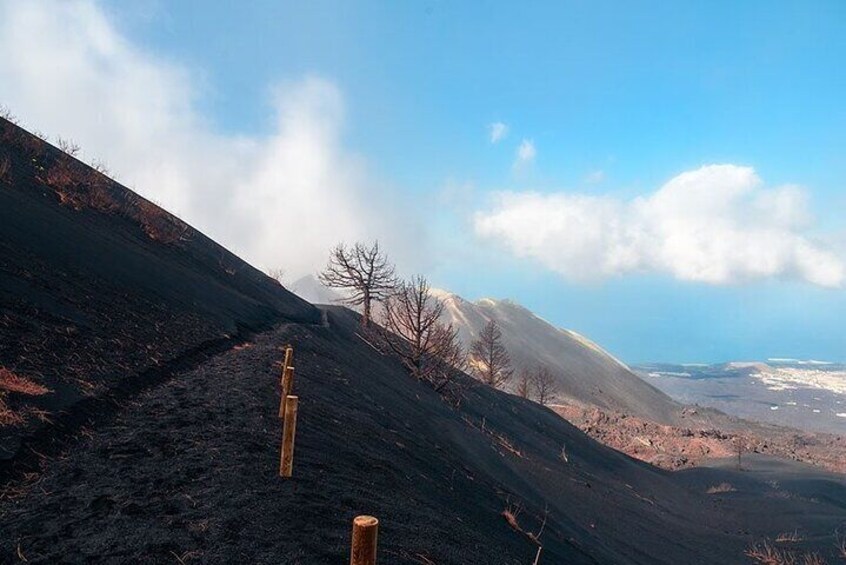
(497, 132)
(526, 153)
(716, 224)
(278, 200)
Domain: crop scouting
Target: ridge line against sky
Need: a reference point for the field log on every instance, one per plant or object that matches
(672, 220)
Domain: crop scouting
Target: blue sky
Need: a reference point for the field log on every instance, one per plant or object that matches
(642, 89)
(390, 105)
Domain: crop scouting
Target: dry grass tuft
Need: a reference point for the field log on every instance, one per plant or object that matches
(722, 487)
(99, 196)
(789, 537)
(8, 417)
(60, 177)
(506, 444)
(812, 559)
(10, 382)
(158, 224)
(31, 145)
(767, 554)
(510, 514)
(511, 518)
(79, 187)
(39, 414)
(187, 556)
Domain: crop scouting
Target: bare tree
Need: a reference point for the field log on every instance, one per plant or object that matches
(68, 146)
(7, 114)
(101, 167)
(428, 349)
(524, 385)
(543, 384)
(364, 272)
(490, 359)
(277, 274)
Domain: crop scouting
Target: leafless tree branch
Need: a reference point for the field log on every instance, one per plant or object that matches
(68, 146)
(428, 349)
(7, 114)
(543, 384)
(490, 361)
(364, 272)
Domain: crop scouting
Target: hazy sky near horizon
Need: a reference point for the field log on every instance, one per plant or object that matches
(665, 179)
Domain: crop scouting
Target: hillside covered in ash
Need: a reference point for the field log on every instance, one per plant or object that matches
(141, 392)
(100, 290)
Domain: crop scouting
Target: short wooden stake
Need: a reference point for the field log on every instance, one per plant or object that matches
(289, 430)
(285, 381)
(287, 387)
(365, 530)
(289, 358)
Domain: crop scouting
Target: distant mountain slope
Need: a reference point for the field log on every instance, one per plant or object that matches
(99, 286)
(587, 374)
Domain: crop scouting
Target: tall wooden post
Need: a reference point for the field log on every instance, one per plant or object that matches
(364, 533)
(286, 462)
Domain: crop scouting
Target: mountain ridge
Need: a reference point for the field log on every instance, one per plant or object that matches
(586, 374)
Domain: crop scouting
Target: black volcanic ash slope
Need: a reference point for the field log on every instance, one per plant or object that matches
(189, 470)
(97, 286)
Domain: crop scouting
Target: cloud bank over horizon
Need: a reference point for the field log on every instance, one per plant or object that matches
(279, 200)
(717, 225)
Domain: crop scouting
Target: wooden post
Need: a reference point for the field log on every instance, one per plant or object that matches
(287, 387)
(287, 380)
(286, 462)
(365, 530)
(289, 358)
